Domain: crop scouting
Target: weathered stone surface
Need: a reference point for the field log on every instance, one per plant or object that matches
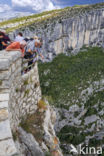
(3, 104)
(3, 114)
(4, 97)
(30, 143)
(5, 130)
(7, 148)
(91, 119)
(5, 64)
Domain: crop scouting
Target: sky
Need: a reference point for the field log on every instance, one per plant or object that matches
(11, 8)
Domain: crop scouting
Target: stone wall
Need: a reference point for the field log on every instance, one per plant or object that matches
(19, 95)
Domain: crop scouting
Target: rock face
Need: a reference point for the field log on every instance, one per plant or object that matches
(29, 144)
(26, 143)
(68, 33)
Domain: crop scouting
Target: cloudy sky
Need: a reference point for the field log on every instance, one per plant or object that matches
(10, 8)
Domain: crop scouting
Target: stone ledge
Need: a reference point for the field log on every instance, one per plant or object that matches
(7, 58)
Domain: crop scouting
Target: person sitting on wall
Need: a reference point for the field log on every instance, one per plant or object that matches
(6, 37)
(19, 37)
(19, 46)
(3, 44)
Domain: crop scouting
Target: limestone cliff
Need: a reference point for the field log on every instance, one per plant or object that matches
(69, 30)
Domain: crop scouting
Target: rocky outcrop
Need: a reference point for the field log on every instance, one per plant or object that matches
(40, 138)
(28, 146)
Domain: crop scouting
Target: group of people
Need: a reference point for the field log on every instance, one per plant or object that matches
(29, 48)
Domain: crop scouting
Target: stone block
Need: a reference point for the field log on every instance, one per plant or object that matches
(3, 114)
(4, 64)
(5, 130)
(4, 75)
(15, 55)
(4, 97)
(7, 148)
(3, 104)
(5, 84)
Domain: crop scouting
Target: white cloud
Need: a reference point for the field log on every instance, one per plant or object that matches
(34, 5)
(25, 7)
(4, 7)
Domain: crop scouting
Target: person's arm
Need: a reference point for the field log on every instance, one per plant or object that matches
(13, 46)
(4, 44)
(41, 56)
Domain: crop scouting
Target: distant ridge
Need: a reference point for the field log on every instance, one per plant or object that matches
(16, 23)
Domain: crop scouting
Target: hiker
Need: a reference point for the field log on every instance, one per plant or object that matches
(38, 55)
(19, 46)
(6, 37)
(29, 50)
(3, 44)
(19, 37)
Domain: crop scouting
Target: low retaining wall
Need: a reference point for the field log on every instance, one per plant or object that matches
(19, 95)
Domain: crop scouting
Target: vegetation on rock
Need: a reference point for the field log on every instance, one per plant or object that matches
(75, 85)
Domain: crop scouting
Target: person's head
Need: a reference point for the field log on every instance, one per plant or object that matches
(1, 34)
(23, 44)
(35, 37)
(37, 43)
(20, 34)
